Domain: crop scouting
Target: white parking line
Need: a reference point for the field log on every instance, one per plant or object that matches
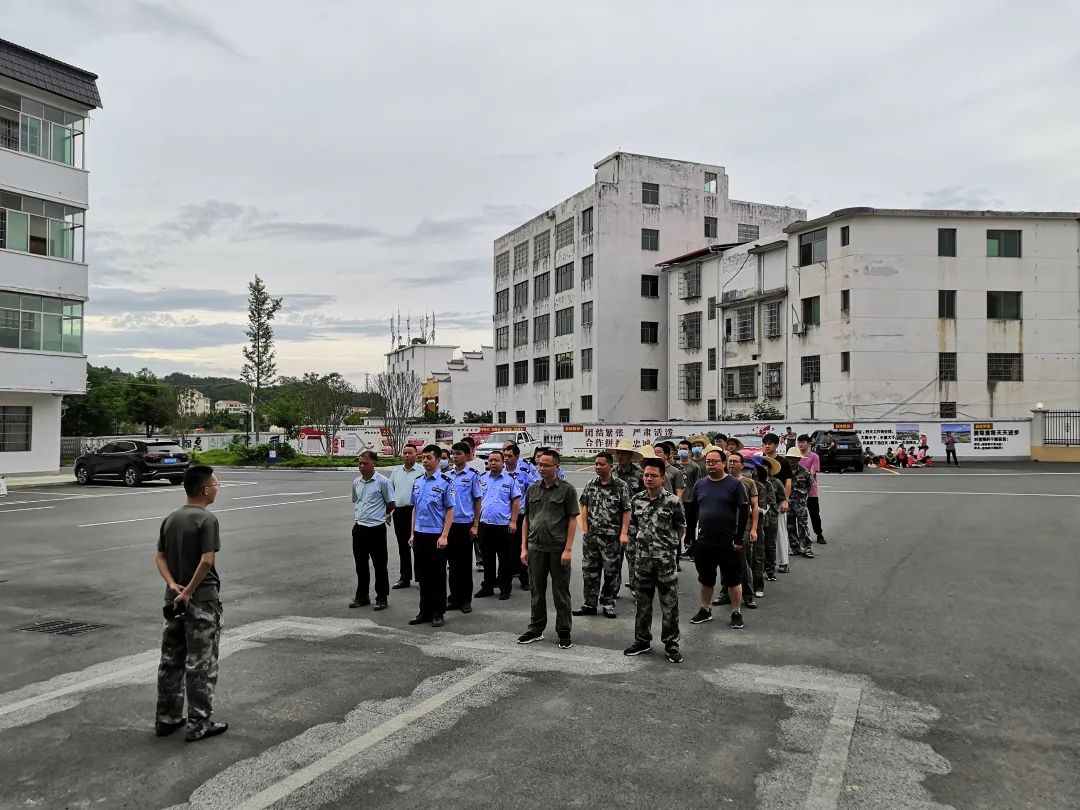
(27, 509)
(946, 492)
(275, 495)
(216, 511)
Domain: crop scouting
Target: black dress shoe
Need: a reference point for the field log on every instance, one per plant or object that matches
(165, 729)
(401, 583)
(483, 592)
(419, 619)
(437, 620)
(359, 603)
(380, 604)
(466, 608)
(504, 595)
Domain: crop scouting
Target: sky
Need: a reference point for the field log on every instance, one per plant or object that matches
(362, 157)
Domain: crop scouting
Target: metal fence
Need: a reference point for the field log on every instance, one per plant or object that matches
(1062, 428)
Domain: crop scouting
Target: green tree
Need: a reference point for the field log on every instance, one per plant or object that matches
(100, 411)
(355, 419)
(327, 399)
(261, 366)
(471, 418)
(148, 401)
(766, 411)
(436, 418)
(287, 409)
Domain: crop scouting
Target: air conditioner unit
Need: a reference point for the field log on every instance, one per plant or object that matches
(798, 329)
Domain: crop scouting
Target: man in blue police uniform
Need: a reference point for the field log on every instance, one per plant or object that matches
(518, 469)
(433, 514)
(500, 502)
(465, 488)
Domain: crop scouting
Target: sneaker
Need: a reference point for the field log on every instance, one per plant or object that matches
(638, 648)
(380, 604)
(466, 608)
(736, 621)
(437, 620)
(722, 599)
(759, 594)
(165, 729)
(784, 569)
(419, 619)
(504, 595)
(584, 610)
(209, 729)
(821, 540)
(809, 554)
(673, 655)
(770, 576)
(359, 603)
(749, 604)
(564, 641)
(703, 615)
(483, 592)
(609, 611)
(529, 636)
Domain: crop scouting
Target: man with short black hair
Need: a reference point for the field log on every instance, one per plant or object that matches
(520, 471)
(433, 514)
(500, 503)
(402, 479)
(770, 443)
(373, 504)
(812, 462)
(605, 519)
(188, 542)
(465, 486)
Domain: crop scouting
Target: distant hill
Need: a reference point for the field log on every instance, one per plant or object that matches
(216, 388)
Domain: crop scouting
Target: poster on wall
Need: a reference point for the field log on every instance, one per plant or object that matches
(907, 432)
(961, 431)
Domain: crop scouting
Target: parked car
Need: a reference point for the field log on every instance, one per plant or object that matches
(495, 440)
(133, 461)
(848, 454)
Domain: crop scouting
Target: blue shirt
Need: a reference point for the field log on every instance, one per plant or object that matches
(466, 488)
(370, 499)
(431, 498)
(718, 505)
(497, 494)
(523, 476)
(403, 480)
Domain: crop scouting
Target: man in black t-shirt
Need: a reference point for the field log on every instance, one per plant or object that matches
(188, 542)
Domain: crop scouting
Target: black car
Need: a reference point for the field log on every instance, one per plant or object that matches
(133, 461)
(847, 455)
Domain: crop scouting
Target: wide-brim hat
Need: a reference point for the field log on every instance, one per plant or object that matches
(738, 442)
(698, 437)
(627, 446)
(709, 447)
(646, 451)
(772, 463)
(793, 452)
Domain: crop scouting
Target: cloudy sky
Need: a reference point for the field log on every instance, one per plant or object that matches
(361, 157)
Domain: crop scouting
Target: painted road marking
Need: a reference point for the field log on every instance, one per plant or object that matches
(215, 511)
(945, 492)
(275, 495)
(27, 509)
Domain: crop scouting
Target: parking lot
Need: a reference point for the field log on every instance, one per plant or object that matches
(926, 658)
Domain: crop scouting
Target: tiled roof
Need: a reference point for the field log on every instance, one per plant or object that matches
(46, 73)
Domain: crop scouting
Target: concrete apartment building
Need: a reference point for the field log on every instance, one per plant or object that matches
(454, 381)
(881, 314)
(44, 105)
(580, 306)
(194, 402)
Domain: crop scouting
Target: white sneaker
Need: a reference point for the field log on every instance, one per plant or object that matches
(759, 594)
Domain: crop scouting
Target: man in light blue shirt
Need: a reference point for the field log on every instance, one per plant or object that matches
(518, 469)
(465, 485)
(402, 479)
(500, 502)
(373, 503)
(433, 514)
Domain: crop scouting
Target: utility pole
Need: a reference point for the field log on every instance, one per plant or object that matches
(251, 415)
(811, 400)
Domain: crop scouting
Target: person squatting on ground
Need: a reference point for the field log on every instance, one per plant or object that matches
(433, 515)
(188, 542)
(657, 523)
(500, 503)
(373, 504)
(605, 519)
(402, 479)
(799, 516)
(465, 486)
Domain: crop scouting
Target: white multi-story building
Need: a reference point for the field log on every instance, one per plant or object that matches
(44, 187)
(580, 306)
(193, 402)
(231, 406)
(454, 381)
(871, 314)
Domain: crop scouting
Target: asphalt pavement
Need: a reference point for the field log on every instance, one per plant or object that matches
(926, 658)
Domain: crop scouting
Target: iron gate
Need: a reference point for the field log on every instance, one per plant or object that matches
(1062, 427)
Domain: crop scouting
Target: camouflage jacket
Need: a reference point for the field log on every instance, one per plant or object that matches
(606, 504)
(657, 526)
(633, 477)
(768, 502)
(801, 481)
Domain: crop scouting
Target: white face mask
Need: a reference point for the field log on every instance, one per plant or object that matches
(684, 454)
(444, 463)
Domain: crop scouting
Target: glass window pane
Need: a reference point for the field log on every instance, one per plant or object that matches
(30, 331)
(52, 328)
(8, 99)
(60, 241)
(9, 300)
(9, 200)
(73, 335)
(54, 305)
(30, 303)
(18, 230)
(9, 127)
(46, 139)
(53, 210)
(39, 236)
(61, 144)
(73, 308)
(9, 328)
(30, 131)
(53, 114)
(33, 107)
(32, 205)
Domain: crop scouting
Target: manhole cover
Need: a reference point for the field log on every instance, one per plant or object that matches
(62, 628)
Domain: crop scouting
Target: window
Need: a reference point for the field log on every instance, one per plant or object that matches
(521, 295)
(586, 402)
(946, 366)
(521, 333)
(38, 129)
(502, 302)
(502, 266)
(564, 321)
(690, 330)
(502, 375)
(774, 380)
(650, 379)
(502, 338)
(564, 415)
(586, 360)
(710, 182)
(740, 382)
(1003, 305)
(744, 324)
(650, 286)
(521, 375)
(946, 241)
(542, 245)
(811, 310)
(772, 319)
(586, 269)
(564, 366)
(501, 417)
(564, 278)
(711, 410)
(16, 428)
(1005, 367)
(690, 282)
(712, 359)
(521, 258)
(541, 417)
(564, 233)
(586, 221)
(1004, 244)
(813, 247)
(650, 194)
(650, 239)
(38, 323)
(946, 303)
(690, 382)
(541, 369)
(520, 417)
(33, 225)
(541, 286)
(586, 314)
(811, 369)
(710, 227)
(845, 362)
(711, 307)
(748, 233)
(541, 327)
(650, 331)
(947, 410)
(845, 302)
(845, 235)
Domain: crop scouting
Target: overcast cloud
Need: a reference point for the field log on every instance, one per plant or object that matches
(361, 157)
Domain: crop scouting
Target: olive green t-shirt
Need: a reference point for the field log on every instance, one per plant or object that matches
(549, 511)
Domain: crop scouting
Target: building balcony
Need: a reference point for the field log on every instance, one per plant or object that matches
(38, 177)
(42, 372)
(42, 275)
(750, 295)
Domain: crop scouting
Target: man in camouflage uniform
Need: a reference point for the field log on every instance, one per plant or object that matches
(605, 517)
(630, 473)
(801, 482)
(657, 523)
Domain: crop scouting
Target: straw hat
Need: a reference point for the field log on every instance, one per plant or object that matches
(627, 446)
(772, 463)
(738, 442)
(709, 447)
(646, 451)
(698, 437)
(793, 452)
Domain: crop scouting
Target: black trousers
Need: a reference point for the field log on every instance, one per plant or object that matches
(814, 505)
(499, 548)
(369, 542)
(459, 559)
(950, 453)
(403, 516)
(430, 573)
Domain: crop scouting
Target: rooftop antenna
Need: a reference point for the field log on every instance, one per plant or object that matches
(433, 327)
(408, 327)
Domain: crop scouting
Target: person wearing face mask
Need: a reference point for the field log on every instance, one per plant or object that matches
(697, 452)
(691, 473)
(444, 459)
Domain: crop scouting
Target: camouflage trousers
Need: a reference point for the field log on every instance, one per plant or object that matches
(601, 554)
(189, 664)
(798, 524)
(656, 575)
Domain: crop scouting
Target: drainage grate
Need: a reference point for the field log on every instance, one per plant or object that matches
(62, 628)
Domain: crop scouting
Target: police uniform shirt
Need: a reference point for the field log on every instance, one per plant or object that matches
(523, 476)
(497, 495)
(431, 498)
(465, 486)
